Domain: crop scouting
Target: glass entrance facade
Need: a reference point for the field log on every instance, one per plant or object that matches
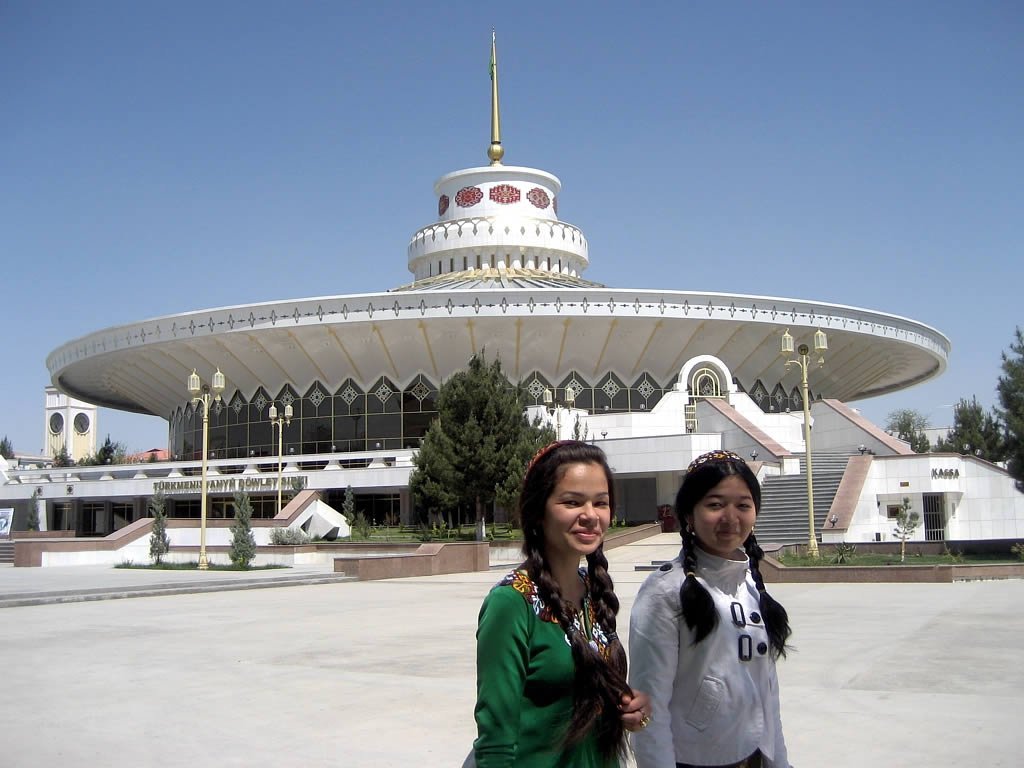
(381, 416)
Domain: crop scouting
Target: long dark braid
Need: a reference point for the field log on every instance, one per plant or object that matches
(698, 607)
(606, 609)
(697, 604)
(598, 684)
(606, 603)
(776, 619)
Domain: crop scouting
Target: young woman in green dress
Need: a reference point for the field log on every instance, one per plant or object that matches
(551, 671)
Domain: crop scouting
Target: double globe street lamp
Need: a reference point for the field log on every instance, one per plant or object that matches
(280, 422)
(803, 351)
(204, 394)
(554, 405)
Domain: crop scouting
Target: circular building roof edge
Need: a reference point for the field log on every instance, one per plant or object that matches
(135, 366)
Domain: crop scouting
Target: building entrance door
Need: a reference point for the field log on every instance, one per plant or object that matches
(934, 517)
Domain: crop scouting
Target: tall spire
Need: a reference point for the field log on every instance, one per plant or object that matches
(495, 152)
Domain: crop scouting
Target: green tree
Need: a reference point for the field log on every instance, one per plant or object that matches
(159, 542)
(61, 458)
(580, 431)
(909, 426)
(530, 441)
(974, 432)
(6, 449)
(32, 519)
(475, 451)
(907, 522)
(109, 453)
(105, 455)
(361, 527)
(243, 544)
(1010, 388)
(435, 481)
(348, 506)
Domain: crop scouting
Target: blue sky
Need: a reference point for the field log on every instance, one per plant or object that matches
(158, 158)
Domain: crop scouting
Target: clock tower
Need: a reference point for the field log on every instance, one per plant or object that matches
(70, 424)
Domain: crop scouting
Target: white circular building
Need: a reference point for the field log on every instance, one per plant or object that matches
(655, 375)
(496, 271)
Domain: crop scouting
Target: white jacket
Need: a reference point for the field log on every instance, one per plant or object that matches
(716, 702)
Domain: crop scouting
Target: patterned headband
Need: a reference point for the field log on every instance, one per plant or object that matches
(714, 457)
(547, 450)
(544, 451)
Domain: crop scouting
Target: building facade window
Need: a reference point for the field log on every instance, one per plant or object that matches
(350, 418)
(355, 417)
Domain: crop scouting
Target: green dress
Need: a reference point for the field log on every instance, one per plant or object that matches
(525, 677)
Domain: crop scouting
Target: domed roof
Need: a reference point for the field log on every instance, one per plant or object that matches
(472, 279)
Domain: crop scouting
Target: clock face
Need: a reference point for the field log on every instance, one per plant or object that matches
(56, 423)
(81, 423)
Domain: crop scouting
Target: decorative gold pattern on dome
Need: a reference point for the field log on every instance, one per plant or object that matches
(491, 277)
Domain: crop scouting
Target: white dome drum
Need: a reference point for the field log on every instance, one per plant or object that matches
(497, 217)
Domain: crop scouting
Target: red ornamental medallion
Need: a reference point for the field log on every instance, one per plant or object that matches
(504, 194)
(468, 196)
(442, 205)
(539, 198)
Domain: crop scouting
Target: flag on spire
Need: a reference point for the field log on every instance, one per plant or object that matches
(491, 67)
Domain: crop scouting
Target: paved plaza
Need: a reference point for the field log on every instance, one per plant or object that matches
(368, 674)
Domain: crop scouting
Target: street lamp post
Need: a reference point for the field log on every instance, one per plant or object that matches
(204, 394)
(556, 406)
(280, 422)
(820, 346)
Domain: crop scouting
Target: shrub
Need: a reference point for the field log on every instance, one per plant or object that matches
(348, 507)
(441, 530)
(361, 527)
(32, 520)
(843, 553)
(243, 544)
(159, 542)
(1018, 550)
(288, 536)
(956, 555)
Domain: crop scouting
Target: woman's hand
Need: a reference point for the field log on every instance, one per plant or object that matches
(636, 710)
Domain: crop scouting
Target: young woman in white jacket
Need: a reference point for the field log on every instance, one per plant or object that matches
(704, 634)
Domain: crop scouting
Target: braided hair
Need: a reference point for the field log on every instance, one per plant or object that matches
(698, 607)
(599, 683)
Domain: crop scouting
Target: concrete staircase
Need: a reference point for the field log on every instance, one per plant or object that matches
(826, 462)
(783, 516)
(6, 551)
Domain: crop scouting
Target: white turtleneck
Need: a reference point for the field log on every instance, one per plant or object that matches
(716, 702)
